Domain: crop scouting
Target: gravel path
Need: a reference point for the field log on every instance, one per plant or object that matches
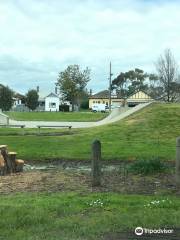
(116, 115)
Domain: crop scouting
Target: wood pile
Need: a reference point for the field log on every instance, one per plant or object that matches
(8, 162)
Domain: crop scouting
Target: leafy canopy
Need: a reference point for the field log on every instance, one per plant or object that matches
(6, 98)
(32, 99)
(73, 81)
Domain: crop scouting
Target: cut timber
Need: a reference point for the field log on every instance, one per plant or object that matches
(3, 146)
(12, 158)
(2, 164)
(19, 165)
(4, 152)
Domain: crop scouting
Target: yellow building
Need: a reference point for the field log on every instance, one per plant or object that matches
(103, 98)
(133, 100)
(137, 98)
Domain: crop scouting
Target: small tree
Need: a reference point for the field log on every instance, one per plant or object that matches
(32, 99)
(72, 83)
(167, 70)
(6, 98)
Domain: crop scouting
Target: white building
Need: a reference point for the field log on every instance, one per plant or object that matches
(52, 102)
(16, 102)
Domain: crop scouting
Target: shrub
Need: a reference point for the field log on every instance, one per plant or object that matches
(64, 108)
(150, 166)
(85, 104)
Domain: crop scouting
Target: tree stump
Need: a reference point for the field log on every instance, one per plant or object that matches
(8, 162)
(2, 164)
(19, 165)
(4, 152)
(12, 159)
(96, 163)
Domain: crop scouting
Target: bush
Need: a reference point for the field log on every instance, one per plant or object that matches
(148, 166)
(85, 104)
(64, 108)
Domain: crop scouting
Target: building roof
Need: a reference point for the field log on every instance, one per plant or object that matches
(139, 92)
(105, 95)
(52, 95)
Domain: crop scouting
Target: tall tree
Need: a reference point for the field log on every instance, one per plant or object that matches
(167, 70)
(72, 82)
(131, 81)
(32, 99)
(6, 98)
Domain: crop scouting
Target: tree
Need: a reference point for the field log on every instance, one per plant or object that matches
(167, 70)
(72, 83)
(32, 99)
(6, 98)
(129, 82)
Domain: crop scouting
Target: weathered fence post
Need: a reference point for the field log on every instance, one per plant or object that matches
(178, 161)
(96, 163)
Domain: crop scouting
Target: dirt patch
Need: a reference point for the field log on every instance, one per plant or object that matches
(63, 180)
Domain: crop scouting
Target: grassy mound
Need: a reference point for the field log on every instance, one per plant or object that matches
(149, 133)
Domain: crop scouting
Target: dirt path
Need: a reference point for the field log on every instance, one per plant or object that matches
(64, 180)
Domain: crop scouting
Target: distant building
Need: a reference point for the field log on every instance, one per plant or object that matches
(116, 100)
(16, 102)
(103, 98)
(137, 98)
(52, 102)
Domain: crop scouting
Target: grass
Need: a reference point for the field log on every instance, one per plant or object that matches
(57, 116)
(82, 217)
(146, 134)
(150, 166)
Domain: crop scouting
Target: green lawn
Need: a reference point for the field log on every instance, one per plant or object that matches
(148, 133)
(76, 216)
(57, 116)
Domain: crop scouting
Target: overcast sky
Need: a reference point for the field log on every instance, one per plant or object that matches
(40, 38)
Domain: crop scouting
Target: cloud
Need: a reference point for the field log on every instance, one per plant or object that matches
(41, 38)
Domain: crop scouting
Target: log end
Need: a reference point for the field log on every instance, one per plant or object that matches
(19, 162)
(12, 153)
(19, 165)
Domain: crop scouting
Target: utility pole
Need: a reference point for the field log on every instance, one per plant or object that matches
(110, 76)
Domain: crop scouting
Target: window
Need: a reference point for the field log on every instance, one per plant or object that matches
(52, 105)
(98, 101)
(103, 102)
(93, 101)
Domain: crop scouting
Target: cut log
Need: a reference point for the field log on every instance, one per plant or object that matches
(11, 161)
(4, 152)
(2, 164)
(19, 165)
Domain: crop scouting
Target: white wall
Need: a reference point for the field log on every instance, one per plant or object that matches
(52, 104)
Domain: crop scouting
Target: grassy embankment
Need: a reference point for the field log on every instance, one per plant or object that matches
(148, 133)
(76, 216)
(57, 116)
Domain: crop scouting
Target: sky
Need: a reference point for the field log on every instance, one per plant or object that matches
(40, 38)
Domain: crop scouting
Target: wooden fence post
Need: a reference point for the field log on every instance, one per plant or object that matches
(96, 163)
(178, 161)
